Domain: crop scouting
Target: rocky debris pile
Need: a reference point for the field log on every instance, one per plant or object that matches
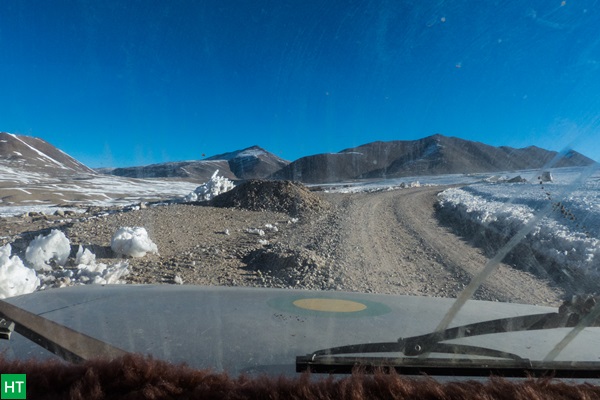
(284, 267)
(277, 196)
(505, 179)
(517, 179)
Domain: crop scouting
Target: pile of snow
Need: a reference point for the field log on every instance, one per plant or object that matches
(15, 278)
(255, 231)
(48, 255)
(132, 241)
(569, 231)
(271, 228)
(85, 257)
(89, 271)
(44, 250)
(208, 190)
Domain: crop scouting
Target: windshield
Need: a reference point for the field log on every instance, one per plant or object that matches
(444, 153)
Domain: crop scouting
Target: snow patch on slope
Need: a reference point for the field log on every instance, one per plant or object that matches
(45, 156)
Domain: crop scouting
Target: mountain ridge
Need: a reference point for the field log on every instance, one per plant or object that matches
(433, 155)
(250, 163)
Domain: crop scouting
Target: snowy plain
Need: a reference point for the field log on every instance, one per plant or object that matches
(91, 190)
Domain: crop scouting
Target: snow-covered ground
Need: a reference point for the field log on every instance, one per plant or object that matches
(97, 190)
(41, 193)
(400, 183)
(561, 218)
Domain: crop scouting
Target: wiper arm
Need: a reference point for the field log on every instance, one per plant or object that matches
(569, 315)
(68, 344)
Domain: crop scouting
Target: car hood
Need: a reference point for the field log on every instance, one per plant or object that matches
(252, 330)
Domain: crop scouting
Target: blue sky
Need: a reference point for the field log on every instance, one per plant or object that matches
(117, 83)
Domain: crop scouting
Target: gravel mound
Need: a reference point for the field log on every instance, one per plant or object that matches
(282, 266)
(277, 196)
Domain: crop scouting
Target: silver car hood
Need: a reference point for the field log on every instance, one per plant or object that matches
(253, 330)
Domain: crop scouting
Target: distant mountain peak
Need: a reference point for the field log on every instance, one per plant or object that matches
(437, 136)
(252, 151)
(250, 163)
(28, 153)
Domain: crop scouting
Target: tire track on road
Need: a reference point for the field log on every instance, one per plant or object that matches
(391, 242)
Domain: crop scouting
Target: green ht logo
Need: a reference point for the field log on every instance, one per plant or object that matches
(13, 386)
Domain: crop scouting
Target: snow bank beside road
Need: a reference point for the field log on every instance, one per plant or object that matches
(567, 234)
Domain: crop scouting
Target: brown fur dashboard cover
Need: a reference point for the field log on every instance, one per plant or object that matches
(140, 377)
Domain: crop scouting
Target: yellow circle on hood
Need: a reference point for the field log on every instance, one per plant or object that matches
(330, 305)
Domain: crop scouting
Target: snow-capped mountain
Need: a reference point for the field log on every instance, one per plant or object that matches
(432, 155)
(251, 163)
(23, 154)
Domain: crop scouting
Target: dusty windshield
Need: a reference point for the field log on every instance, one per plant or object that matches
(437, 149)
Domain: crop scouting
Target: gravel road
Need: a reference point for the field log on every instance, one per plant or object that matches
(384, 242)
(391, 242)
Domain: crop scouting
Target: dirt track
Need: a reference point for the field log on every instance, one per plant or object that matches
(391, 242)
(385, 242)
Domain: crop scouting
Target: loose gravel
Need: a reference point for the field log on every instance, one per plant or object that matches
(387, 242)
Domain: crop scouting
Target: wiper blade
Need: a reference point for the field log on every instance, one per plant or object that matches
(68, 344)
(400, 347)
(451, 367)
(569, 315)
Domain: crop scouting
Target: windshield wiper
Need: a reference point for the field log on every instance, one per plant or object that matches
(344, 358)
(68, 344)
